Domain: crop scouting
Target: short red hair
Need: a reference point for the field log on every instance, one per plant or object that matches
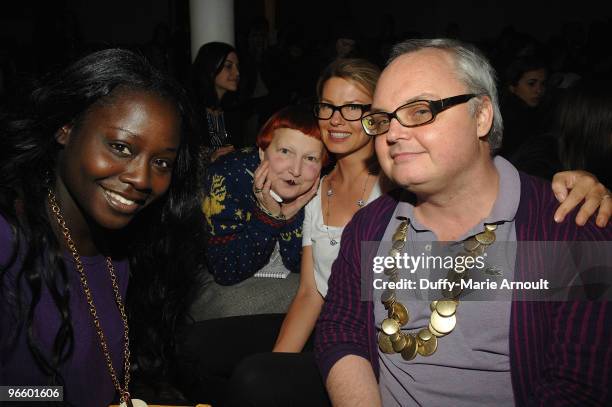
(294, 117)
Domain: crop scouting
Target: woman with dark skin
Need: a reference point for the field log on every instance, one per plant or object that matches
(98, 187)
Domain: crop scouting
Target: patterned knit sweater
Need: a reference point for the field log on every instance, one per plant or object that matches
(241, 237)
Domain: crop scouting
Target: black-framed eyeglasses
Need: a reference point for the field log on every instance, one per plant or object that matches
(350, 112)
(413, 114)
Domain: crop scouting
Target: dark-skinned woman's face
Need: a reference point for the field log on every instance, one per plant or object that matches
(119, 157)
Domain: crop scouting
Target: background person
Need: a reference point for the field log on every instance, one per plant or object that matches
(215, 77)
(524, 107)
(580, 136)
(584, 129)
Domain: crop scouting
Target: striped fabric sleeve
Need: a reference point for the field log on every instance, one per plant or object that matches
(345, 325)
(561, 352)
(342, 326)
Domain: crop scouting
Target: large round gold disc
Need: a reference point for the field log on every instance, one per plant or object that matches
(387, 297)
(399, 344)
(399, 312)
(442, 324)
(434, 332)
(390, 326)
(486, 238)
(424, 335)
(428, 348)
(410, 350)
(446, 308)
(384, 343)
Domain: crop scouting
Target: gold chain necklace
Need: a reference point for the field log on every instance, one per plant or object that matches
(124, 395)
(443, 317)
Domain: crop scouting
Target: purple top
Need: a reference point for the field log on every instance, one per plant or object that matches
(559, 351)
(87, 381)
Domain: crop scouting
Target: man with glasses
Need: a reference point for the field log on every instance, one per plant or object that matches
(436, 120)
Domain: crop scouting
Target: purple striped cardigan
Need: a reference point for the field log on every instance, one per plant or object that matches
(560, 353)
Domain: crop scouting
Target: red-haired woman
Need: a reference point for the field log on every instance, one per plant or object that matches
(253, 205)
(254, 199)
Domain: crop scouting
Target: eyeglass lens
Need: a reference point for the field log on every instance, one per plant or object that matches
(349, 112)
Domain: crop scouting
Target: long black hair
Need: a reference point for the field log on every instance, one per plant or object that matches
(584, 128)
(206, 66)
(163, 240)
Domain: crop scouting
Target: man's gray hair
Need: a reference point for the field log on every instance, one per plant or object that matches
(473, 69)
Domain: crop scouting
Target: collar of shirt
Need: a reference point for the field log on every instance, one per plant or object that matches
(504, 208)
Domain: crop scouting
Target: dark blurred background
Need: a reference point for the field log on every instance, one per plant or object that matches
(39, 34)
(299, 37)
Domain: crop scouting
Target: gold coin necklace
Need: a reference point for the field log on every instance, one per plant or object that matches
(124, 395)
(330, 192)
(443, 317)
